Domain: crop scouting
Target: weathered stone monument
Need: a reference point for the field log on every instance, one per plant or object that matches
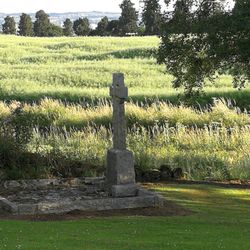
(120, 161)
(117, 191)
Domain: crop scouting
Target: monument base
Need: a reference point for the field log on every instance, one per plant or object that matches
(34, 197)
(121, 173)
(128, 190)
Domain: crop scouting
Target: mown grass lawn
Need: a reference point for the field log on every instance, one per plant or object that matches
(221, 220)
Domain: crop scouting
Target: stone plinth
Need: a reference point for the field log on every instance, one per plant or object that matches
(57, 196)
(120, 173)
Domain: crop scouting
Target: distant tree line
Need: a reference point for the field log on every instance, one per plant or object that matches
(127, 24)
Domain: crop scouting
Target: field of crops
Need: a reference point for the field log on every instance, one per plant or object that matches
(55, 112)
(76, 69)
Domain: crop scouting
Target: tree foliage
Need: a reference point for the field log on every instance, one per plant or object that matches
(81, 26)
(151, 17)
(9, 25)
(55, 30)
(202, 39)
(42, 24)
(68, 27)
(102, 27)
(113, 27)
(44, 28)
(25, 25)
(128, 19)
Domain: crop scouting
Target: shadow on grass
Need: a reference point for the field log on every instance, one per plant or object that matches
(122, 54)
(119, 54)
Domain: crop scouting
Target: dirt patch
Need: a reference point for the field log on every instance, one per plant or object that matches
(169, 209)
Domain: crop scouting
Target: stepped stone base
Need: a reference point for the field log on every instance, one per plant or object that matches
(61, 196)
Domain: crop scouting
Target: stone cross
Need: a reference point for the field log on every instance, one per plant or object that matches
(120, 162)
(119, 94)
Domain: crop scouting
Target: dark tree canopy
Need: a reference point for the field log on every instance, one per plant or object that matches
(9, 26)
(151, 17)
(42, 24)
(81, 26)
(101, 29)
(178, 21)
(241, 7)
(113, 27)
(129, 18)
(55, 30)
(199, 42)
(68, 27)
(25, 25)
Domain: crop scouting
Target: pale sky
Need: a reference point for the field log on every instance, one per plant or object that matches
(58, 6)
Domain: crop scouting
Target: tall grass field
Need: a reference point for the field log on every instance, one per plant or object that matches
(55, 112)
(77, 69)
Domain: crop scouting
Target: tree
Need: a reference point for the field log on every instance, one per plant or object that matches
(208, 8)
(55, 30)
(9, 26)
(68, 28)
(238, 53)
(113, 28)
(81, 26)
(178, 21)
(25, 25)
(211, 41)
(151, 17)
(241, 7)
(101, 29)
(128, 19)
(42, 24)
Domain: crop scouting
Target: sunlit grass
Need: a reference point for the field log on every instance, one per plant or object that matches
(206, 198)
(53, 138)
(74, 69)
(60, 114)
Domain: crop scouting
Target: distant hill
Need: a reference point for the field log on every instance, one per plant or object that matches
(58, 18)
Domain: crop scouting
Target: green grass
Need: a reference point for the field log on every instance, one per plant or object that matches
(76, 69)
(202, 154)
(55, 138)
(221, 221)
(54, 113)
(42, 137)
(52, 139)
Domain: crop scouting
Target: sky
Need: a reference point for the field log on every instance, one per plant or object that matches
(59, 6)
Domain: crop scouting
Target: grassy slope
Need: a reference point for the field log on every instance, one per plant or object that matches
(221, 221)
(76, 68)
